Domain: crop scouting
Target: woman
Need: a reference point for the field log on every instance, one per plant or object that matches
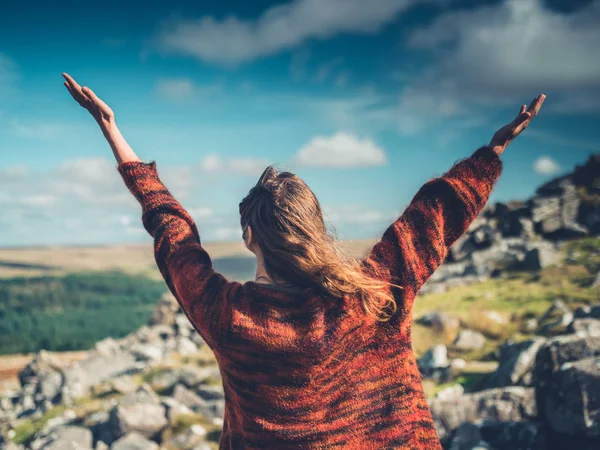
(316, 352)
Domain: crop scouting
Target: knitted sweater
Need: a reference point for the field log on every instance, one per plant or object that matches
(301, 370)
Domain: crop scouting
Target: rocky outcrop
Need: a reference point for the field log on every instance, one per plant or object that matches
(508, 404)
(516, 362)
(544, 395)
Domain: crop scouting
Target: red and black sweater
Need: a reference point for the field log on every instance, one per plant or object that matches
(301, 370)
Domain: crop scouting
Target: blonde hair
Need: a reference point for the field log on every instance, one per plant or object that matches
(288, 226)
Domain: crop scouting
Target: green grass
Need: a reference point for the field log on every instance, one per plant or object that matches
(519, 296)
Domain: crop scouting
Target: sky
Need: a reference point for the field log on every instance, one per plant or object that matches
(365, 101)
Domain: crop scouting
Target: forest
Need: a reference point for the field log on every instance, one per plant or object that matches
(74, 311)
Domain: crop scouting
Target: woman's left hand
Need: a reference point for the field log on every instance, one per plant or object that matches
(505, 135)
(101, 112)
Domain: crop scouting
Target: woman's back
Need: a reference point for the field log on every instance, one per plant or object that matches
(303, 371)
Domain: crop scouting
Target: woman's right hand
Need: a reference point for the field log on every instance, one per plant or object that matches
(101, 112)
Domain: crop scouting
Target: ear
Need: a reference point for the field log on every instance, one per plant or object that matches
(248, 238)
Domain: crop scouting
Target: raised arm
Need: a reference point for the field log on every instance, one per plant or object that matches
(181, 259)
(414, 246)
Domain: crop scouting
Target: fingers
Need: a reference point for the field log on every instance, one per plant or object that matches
(536, 104)
(96, 100)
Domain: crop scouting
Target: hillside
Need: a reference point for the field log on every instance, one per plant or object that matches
(507, 334)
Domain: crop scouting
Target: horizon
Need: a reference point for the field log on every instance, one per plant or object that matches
(365, 103)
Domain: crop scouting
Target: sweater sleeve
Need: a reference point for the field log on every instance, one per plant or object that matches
(414, 246)
(184, 264)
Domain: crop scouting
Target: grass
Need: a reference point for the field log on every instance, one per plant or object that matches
(517, 297)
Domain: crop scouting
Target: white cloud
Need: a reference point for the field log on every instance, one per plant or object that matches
(325, 71)
(41, 131)
(8, 75)
(213, 164)
(513, 49)
(175, 88)
(341, 150)
(546, 166)
(281, 27)
(227, 233)
(355, 214)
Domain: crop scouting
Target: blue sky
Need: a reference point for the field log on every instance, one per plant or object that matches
(364, 100)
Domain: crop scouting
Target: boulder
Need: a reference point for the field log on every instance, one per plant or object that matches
(134, 441)
(188, 398)
(584, 326)
(555, 209)
(188, 439)
(495, 435)
(513, 403)
(556, 319)
(165, 310)
(434, 363)
(140, 412)
(516, 362)
(540, 258)
(469, 340)
(185, 346)
(587, 312)
(65, 438)
(566, 374)
(183, 326)
(192, 376)
(165, 380)
(443, 323)
(572, 403)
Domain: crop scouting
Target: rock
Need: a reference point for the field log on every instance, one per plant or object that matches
(442, 323)
(435, 357)
(457, 365)
(146, 352)
(585, 326)
(123, 384)
(174, 409)
(165, 380)
(185, 346)
(489, 434)
(555, 208)
(450, 393)
(468, 437)
(434, 363)
(183, 326)
(165, 311)
(572, 403)
(462, 248)
(515, 364)
(192, 376)
(211, 392)
(133, 441)
(42, 381)
(100, 445)
(140, 412)
(189, 438)
(504, 404)
(540, 258)
(567, 366)
(530, 325)
(196, 403)
(65, 438)
(587, 312)
(95, 369)
(469, 340)
(556, 319)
